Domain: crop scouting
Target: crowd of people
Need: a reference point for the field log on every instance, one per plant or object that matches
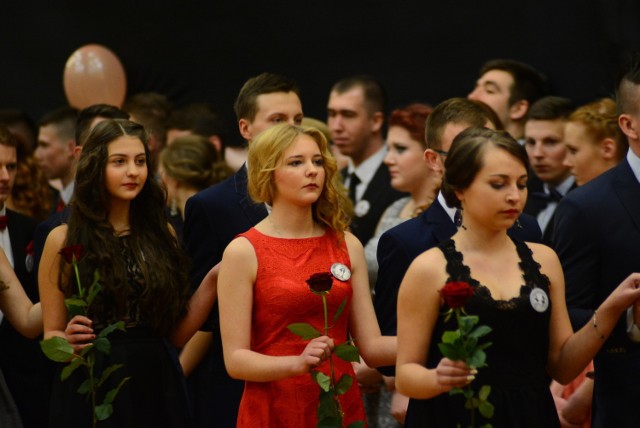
(300, 278)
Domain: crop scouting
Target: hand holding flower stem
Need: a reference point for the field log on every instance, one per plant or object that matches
(462, 345)
(330, 413)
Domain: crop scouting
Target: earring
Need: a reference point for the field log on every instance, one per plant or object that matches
(457, 219)
(173, 209)
(518, 224)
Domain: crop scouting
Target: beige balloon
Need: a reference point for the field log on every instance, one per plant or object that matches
(93, 75)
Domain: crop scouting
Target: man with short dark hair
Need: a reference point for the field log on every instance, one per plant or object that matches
(509, 87)
(55, 151)
(213, 217)
(597, 236)
(544, 141)
(356, 116)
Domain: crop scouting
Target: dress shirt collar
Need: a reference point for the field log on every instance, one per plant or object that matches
(367, 169)
(451, 212)
(634, 163)
(563, 187)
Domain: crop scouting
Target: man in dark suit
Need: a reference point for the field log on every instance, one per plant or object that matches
(356, 115)
(26, 370)
(544, 141)
(597, 236)
(213, 217)
(400, 245)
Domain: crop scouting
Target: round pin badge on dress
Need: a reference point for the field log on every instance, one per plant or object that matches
(539, 300)
(28, 263)
(340, 272)
(362, 208)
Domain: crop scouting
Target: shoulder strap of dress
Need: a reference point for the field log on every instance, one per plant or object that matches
(530, 268)
(455, 267)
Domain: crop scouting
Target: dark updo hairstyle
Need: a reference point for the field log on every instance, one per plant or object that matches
(466, 158)
(155, 250)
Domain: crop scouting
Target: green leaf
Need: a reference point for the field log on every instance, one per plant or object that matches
(456, 391)
(450, 336)
(74, 301)
(467, 322)
(471, 344)
(71, 367)
(111, 328)
(450, 351)
(94, 289)
(484, 392)
(480, 331)
(322, 380)
(106, 373)
(347, 352)
(304, 330)
(478, 359)
(330, 422)
(343, 384)
(328, 407)
(103, 345)
(485, 345)
(356, 424)
(57, 349)
(85, 387)
(103, 411)
(486, 409)
(340, 309)
(111, 395)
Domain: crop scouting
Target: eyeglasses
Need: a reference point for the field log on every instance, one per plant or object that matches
(440, 152)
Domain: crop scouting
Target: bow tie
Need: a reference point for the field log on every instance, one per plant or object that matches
(3, 222)
(552, 196)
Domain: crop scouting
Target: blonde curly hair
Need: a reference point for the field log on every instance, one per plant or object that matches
(332, 209)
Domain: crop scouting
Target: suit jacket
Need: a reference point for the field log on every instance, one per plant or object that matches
(27, 371)
(533, 207)
(597, 237)
(213, 218)
(379, 194)
(400, 245)
(42, 232)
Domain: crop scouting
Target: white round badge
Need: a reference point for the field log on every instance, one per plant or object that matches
(340, 272)
(28, 263)
(362, 208)
(539, 300)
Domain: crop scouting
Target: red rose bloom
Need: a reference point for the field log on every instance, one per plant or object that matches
(456, 294)
(72, 253)
(320, 282)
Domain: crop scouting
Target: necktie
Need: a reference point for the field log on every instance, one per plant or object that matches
(353, 182)
(60, 205)
(3, 222)
(546, 198)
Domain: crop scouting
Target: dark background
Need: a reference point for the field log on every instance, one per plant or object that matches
(421, 50)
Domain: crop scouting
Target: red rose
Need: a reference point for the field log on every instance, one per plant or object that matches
(72, 253)
(456, 294)
(320, 282)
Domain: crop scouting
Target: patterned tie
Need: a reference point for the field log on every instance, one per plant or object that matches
(3, 222)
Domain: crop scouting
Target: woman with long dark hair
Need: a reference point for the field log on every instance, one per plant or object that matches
(117, 218)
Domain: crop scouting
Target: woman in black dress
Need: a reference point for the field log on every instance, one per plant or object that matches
(518, 291)
(117, 217)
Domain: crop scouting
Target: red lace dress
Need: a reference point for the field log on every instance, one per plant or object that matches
(282, 297)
